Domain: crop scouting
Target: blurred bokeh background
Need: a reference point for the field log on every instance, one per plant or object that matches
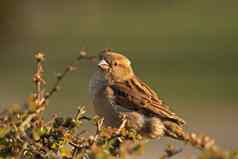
(187, 50)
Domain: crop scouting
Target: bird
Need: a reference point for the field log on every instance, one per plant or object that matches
(126, 101)
(119, 95)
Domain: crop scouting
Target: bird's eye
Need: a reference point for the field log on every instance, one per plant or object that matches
(115, 63)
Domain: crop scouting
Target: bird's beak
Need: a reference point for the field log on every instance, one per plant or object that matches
(103, 65)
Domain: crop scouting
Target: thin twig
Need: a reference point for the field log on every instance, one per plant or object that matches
(38, 78)
(83, 56)
(99, 125)
(60, 77)
(202, 142)
(30, 117)
(80, 114)
(38, 98)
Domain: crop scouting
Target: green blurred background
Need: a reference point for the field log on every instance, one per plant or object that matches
(187, 50)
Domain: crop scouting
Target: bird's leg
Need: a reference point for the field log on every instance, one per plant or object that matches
(123, 124)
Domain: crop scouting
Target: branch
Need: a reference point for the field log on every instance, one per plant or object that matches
(83, 56)
(38, 78)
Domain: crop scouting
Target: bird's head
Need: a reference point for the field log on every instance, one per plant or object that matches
(115, 66)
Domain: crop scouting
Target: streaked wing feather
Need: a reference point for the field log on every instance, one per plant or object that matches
(141, 97)
(152, 93)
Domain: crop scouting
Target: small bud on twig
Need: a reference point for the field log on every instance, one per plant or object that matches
(40, 56)
(83, 53)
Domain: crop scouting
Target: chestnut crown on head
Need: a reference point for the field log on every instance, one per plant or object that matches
(115, 66)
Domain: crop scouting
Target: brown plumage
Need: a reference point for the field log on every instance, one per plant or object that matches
(135, 95)
(116, 90)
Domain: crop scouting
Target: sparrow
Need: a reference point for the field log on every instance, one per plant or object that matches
(124, 100)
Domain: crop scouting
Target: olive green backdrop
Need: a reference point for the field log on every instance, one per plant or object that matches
(187, 50)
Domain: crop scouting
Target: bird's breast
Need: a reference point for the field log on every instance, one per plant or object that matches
(102, 104)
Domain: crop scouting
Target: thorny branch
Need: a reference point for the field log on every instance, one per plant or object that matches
(203, 142)
(38, 78)
(83, 56)
(31, 136)
(39, 94)
(40, 97)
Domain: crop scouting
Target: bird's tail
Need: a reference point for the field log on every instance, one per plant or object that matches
(202, 142)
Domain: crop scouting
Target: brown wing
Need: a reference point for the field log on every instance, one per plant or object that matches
(136, 95)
